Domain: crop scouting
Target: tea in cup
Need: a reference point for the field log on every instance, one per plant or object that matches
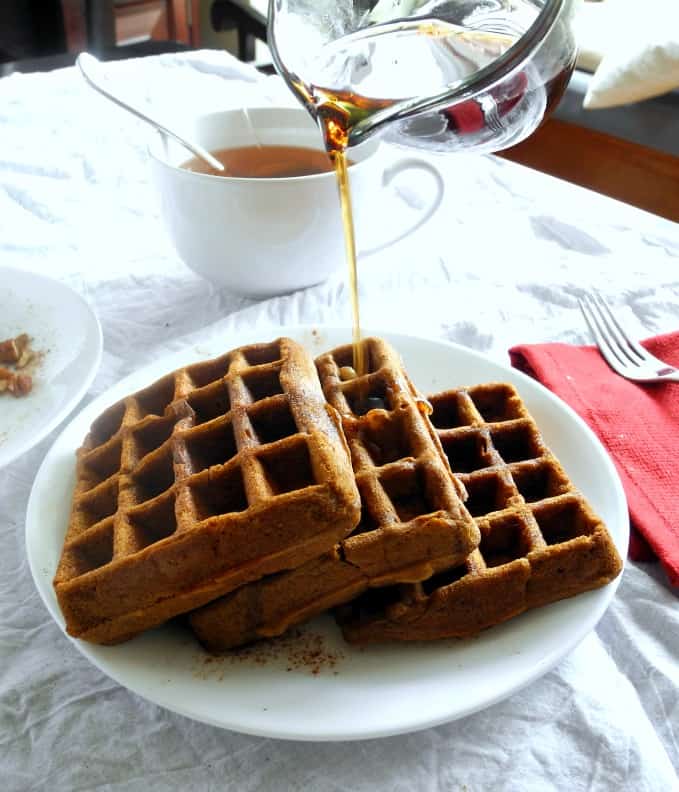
(270, 223)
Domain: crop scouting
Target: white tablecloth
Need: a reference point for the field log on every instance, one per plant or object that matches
(501, 263)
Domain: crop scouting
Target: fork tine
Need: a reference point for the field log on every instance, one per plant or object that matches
(623, 337)
(607, 350)
(623, 351)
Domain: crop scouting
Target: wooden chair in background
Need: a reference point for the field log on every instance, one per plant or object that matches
(237, 15)
(102, 24)
(38, 35)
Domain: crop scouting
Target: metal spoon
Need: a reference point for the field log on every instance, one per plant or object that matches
(89, 67)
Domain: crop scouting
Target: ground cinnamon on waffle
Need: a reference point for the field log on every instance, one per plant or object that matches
(214, 476)
(413, 522)
(540, 539)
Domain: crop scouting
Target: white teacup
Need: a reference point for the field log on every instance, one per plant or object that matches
(264, 236)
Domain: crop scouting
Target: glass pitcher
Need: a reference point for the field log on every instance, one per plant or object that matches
(437, 74)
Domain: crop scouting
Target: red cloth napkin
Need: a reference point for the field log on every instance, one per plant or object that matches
(639, 426)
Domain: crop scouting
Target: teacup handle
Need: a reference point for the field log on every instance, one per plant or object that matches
(388, 176)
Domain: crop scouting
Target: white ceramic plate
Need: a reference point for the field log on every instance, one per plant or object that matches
(372, 692)
(64, 328)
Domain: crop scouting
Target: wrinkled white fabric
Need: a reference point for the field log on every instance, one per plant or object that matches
(501, 263)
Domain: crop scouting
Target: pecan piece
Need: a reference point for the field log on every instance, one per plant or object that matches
(16, 384)
(14, 349)
(23, 385)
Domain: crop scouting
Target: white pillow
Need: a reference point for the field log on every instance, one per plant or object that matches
(641, 53)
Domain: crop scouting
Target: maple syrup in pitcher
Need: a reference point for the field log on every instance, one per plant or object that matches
(378, 63)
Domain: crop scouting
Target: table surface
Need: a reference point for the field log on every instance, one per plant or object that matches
(502, 262)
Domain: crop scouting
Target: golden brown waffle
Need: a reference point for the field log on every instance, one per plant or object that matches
(540, 540)
(413, 522)
(213, 476)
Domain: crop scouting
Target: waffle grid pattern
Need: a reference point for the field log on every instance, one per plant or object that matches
(413, 519)
(413, 522)
(179, 484)
(540, 540)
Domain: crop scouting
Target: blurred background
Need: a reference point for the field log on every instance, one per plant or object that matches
(615, 131)
(35, 29)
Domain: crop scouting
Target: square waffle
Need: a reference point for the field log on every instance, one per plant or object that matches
(211, 477)
(540, 539)
(413, 522)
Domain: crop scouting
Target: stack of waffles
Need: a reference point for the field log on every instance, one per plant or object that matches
(257, 490)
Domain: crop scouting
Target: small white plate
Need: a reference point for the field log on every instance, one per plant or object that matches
(371, 692)
(67, 333)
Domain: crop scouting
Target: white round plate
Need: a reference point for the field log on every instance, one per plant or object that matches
(371, 692)
(67, 333)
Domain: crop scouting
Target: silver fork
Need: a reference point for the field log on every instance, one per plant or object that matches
(491, 114)
(622, 354)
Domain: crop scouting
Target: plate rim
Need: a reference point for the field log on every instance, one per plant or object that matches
(77, 396)
(153, 370)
